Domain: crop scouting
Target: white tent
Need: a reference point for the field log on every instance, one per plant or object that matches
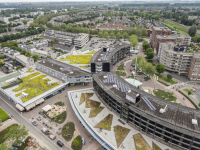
(20, 107)
(47, 108)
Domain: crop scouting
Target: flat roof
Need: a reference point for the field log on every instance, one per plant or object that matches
(172, 36)
(63, 67)
(175, 114)
(9, 76)
(161, 28)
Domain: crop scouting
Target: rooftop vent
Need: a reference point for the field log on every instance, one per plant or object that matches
(43, 61)
(52, 64)
(129, 91)
(105, 77)
(115, 86)
(99, 59)
(71, 72)
(101, 54)
(61, 68)
(163, 110)
(120, 43)
(194, 122)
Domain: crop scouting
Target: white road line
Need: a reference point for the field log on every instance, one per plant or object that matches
(31, 124)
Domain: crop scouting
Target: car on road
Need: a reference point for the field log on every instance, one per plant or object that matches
(131, 70)
(192, 90)
(52, 137)
(35, 123)
(133, 65)
(60, 143)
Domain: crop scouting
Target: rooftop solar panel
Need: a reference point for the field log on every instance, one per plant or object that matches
(149, 103)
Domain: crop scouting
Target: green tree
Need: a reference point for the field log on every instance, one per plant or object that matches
(25, 21)
(139, 33)
(16, 133)
(189, 92)
(28, 54)
(169, 76)
(160, 68)
(90, 36)
(76, 143)
(145, 45)
(63, 26)
(192, 30)
(144, 32)
(133, 25)
(105, 34)
(149, 69)
(148, 50)
(49, 25)
(150, 55)
(133, 40)
(112, 35)
(1, 63)
(23, 52)
(125, 35)
(118, 35)
(35, 57)
(100, 35)
(3, 146)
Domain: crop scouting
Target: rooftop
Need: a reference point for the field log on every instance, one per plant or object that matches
(9, 76)
(161, 28)
(67, 69)
(175, 114)
(172, 36)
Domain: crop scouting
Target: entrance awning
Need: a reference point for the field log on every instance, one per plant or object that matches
(39, 101)
(20, 107)
(30, 106)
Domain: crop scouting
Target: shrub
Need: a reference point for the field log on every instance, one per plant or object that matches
(163, 83)
(189, 100)
(68, 131)
(77, 143)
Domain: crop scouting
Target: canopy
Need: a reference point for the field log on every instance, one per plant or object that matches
(134, 82)
(47, 108)
(20, 107)
(39, 101)
(30, 106)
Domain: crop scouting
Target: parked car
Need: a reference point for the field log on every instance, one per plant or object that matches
(83, 141)
(192, 90)
(131, 70)
(38, 118)
(52, 137)
(60, 143)
(35, 123)
(45, 131)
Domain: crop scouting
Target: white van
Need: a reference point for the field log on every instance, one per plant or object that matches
(52, 137)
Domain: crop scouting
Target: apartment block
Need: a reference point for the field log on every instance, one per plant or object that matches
(194, 70)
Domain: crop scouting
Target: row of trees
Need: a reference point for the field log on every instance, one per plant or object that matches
(29, 32)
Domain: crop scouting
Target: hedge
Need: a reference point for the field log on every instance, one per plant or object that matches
(189, 100)
(163, 83)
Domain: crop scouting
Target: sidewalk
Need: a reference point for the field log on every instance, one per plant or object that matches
(7, 123)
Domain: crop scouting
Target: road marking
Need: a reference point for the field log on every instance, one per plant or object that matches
(31, 124)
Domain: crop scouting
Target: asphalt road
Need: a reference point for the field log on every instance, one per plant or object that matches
(43, 140)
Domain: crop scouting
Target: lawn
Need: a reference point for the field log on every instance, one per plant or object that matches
(172, 26)
(3, 115)
(120, 134)
(68, 131)
(95, 111)
(166, 79)
(85, 96)
(121, 67)
(77, 143)
(187, 90)
(34, 86)
(164, 95)
(155, 147)
(140, 143)
(105, 123)
(78, 59)
(93, 52)
(120, 73)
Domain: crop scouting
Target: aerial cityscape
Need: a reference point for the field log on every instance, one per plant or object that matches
(100, 75)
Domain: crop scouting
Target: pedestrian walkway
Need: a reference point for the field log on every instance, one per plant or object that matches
(7, 123)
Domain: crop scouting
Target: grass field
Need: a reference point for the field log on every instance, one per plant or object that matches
(121, 67)
(164, 95)
(172, 26)
(78, 59)
(121, 73)
(166, 79)
(35, 86)
(3, 115)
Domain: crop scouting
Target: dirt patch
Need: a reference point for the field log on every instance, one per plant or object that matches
(95, 111)
(120, 134)
(140, 143)
(105, 123)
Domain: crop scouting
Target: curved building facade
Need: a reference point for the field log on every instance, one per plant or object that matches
(168, 123)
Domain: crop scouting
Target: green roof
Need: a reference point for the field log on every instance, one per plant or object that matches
(9, 76)
(85, 49)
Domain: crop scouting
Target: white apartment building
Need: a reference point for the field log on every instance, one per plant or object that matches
(54, 11)
(4, 19)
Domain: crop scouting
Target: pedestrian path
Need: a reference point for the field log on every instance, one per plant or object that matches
(7, 123)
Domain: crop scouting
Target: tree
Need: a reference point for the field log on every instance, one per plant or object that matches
(169, 76)
(192, 31)
(90, 36)
(28, 54)
(23, 52)
(148, 50)
(16, 133)
(1, 63)
(63, 26)
(145, 45)
(144, 32)
(133, 25)
(49, 25)
(35, 57)
(112, 35)
(25, 21)
(160, 68)
(139, 33)
(150, 55)
(100, 35)
(189, 92)
(149, 68)
(133, 40)
(3, 146)
(105, 34)
(125, 35)
(76, 143)
(118, 35)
